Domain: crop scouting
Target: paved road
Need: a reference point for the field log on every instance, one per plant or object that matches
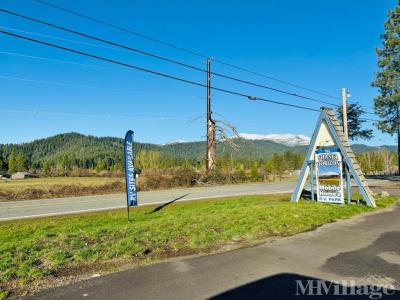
(365, 249)
(46, 207)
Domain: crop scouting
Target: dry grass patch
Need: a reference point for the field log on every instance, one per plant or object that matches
(58, 187)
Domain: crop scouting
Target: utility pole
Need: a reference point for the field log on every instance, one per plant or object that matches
(210, 126)
(344, 113)
(346, 134)
(398, 139)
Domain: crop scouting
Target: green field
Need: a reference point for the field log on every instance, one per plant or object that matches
(50, 250)
(329, 181)
(50, 187)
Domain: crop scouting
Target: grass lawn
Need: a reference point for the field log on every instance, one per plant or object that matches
(50, 187)
(47, 250)
(330, 181)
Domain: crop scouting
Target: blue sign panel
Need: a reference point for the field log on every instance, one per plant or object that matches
(131, 193)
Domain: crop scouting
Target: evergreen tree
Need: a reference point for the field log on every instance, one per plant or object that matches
(254, 171)
(64, 165)
(379, 163)
(354, 122)
(12, 167)
(46, 167)
(101, 166)
(387, 104)
(1, 164)
(20, 162)
(278, 165)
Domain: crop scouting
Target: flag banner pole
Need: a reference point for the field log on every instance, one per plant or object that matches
(130, 179)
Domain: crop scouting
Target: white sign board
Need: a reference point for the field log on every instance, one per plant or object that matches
(328, 165)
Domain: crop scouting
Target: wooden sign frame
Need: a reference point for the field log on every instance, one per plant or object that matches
(329, 133)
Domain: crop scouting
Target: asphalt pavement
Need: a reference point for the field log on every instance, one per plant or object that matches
(47, 207)
(11, 210)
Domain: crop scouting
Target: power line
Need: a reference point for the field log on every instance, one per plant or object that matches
(250, 97)
(274, 79)
(367, 107)
(80, 114)
(73, 85)
(368, 113)
(66, 62)
(122, 29)
(367, 119)
(163, 58)
(61, 83)
(363, 106)
(182, 49)
(58, 38)
(52, 59)
(84, 65)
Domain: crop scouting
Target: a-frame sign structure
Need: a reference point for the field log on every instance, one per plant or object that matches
(329, 133)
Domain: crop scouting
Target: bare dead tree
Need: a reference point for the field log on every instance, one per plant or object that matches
(227, 133)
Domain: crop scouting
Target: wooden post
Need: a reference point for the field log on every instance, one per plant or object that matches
(348, 185)
(312, 179)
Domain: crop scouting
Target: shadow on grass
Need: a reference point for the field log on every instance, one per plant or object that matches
(165, 204)
(306, 194)
(294, 286)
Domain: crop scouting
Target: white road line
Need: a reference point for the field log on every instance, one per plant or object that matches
(60, 213)
(144, 204)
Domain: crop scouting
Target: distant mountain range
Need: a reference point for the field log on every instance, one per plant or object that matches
(93, 148)
(285, 139)
(328, 174)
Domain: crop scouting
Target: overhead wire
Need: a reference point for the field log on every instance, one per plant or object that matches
(68, 113)
(171, 45)
(164, 58)
(122, 29)
(61, 83)
(60, 38)
(52, 59)
(191, 52)
(250, 97)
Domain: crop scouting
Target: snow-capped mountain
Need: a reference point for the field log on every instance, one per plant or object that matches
(329, 174)
(287, 139)
(174, 142)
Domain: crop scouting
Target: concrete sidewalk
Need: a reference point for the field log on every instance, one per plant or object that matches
(365, 248)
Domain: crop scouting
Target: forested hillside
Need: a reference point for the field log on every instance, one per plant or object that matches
(89, 152)
(58, 155)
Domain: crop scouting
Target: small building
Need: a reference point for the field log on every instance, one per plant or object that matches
(21, 175)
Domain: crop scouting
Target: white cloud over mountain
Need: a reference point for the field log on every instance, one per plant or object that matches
(175, 142)
(287, 139)
(328, 174)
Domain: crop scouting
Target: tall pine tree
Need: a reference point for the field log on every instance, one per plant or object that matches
(12, 166)
(354, 122)
(20, 162)
(387, 104)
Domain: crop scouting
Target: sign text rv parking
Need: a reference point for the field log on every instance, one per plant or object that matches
(328, 165)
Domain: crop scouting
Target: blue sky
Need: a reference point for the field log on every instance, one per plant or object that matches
(324, 45)
(324, 169)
